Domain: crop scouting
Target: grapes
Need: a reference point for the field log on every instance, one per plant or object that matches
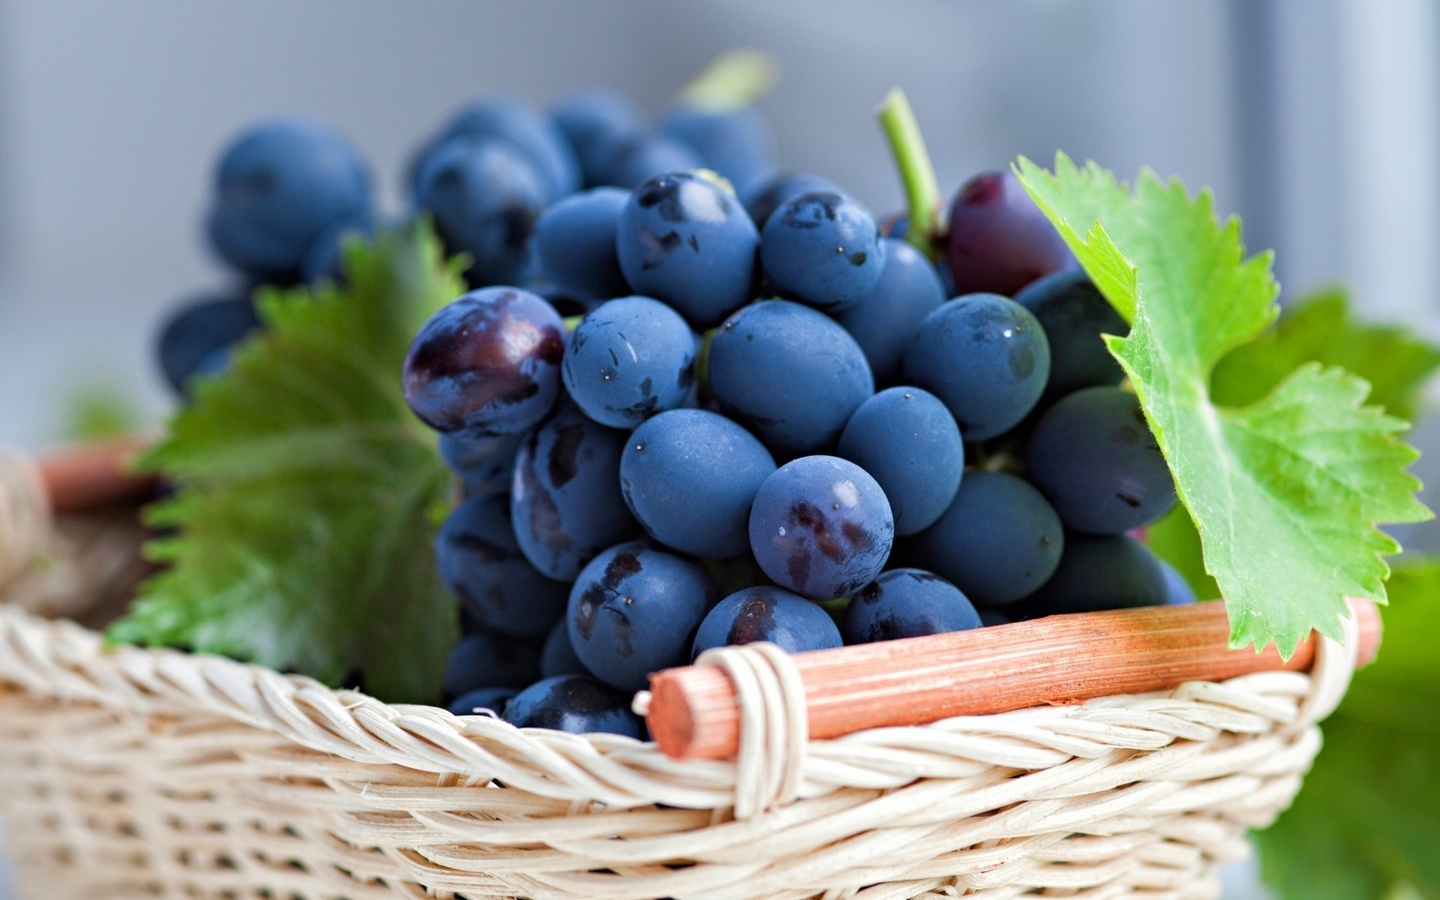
(484, 659)
(197, 337)
(1098, 462)
(821, 527)
(907, 603)
(634, 610)
(767, 614)
(575, 243)
(882, 321)
(770, 193)
(1074, 314)
(986, 357)
(558, 657)
(1098, 572)
(687, 241)
(629, 359)
(690, 477)
(529, 131)
(589, 119)
(632, 160)
(998, 541)
(574, 703)
(480, 562)
(565, 500)
(734, 143)
(790, 373)
(1178, 591)
(484, 465)
(909, 442)
(999, 241)
(823, 249)
(280, 186)
(492, 699)
(488, 363)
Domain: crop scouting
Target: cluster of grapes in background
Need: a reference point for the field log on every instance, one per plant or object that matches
(762, 419)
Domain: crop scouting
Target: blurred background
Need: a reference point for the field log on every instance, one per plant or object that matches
(1318, 121)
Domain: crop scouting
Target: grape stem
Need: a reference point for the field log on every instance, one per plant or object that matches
(702, 363)
(917, 174)
(732, 80)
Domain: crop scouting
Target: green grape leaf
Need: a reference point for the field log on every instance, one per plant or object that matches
(1319, 328)
(303, 522)
(1367, 821)
(1287, 493)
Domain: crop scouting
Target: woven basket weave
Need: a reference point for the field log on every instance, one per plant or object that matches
(130, 772)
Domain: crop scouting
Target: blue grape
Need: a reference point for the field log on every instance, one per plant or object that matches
(485, 197)
(687, 241)
(1098, 572)
(484, 659)
(990, 616)
(629, 161)
(1178, 591)
(690, 476)
(281, 185)
(198, 336)
(558, 655)
(736, 143)
(324, 260)
(491, 698)
(530, 131)
(488, 363)
(999, 241)
(634, 610)
(565, 501)
(574, 703)
(629, 359)
(575, 243)
(908, 441)
(481, 563)
(790, 373)
(998, 542)
(882, 321)
(590, 118)
(772, 192)
(823, 249)
(1095, 457)
(787, 620)
(1074, 314)
(821, 527)
(484, 465)
(905, 603)
(986, 357)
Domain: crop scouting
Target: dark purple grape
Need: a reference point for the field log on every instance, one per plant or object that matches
(770, 193)
(634, 610)
(197, 337)
(687, 241)
(575, 243)
(690, 476)
(1095, 457)
(472, 702)
(823, 249)
(565, 501)
(908, 441)
(487, 660)
(488, 363)
(558, 656)
(985, 357)
(481, 563)
(1098, 572)
(998, 542)
(821, 527)
(787, 620)
(999, 240)
(909, 289)
(905, 603)
(485, 197)
(279, 187)
(1074, 314)
(484, 465)
(790, 373)
(574, 703)
(629, 359)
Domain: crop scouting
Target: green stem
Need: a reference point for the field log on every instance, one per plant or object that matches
(571, 322)
(733, 80)
(922, 193)
(702, 363)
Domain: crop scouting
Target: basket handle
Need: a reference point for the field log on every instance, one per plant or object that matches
(693, 713)
(96, 474)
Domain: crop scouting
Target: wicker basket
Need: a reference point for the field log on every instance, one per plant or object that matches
(155, 773)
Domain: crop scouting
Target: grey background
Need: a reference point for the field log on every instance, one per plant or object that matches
(1314, 119)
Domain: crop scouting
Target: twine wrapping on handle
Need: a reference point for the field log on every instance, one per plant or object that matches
(26, 524)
